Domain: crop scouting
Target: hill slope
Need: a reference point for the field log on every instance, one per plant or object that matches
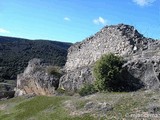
(101, 106)
(16, 52)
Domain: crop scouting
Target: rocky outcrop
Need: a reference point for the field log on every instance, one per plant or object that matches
(141, 68)
(120, 39)
(36, 80)
(141, 55)
(145, 69)
(74, 80)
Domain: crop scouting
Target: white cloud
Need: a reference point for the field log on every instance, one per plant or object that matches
(99, 21)
(3, 31)
(67, 19)
(144, 2)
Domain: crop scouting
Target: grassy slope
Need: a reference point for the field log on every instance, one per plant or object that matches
(37, 108)
(54, 108)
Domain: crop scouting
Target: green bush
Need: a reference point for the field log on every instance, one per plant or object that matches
(87, 90)
(107, 72)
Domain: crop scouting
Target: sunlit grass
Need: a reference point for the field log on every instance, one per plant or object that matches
(54, 108)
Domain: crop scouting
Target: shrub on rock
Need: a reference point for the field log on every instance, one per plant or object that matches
(107, 71)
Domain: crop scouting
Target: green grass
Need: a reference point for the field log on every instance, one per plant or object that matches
(36, 105)
(54, 108)
(38, 108)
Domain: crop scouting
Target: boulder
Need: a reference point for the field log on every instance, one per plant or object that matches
(36, 80)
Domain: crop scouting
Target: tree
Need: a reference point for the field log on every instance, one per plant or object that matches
(107, 71)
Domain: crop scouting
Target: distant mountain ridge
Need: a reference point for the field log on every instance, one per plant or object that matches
(16, 52)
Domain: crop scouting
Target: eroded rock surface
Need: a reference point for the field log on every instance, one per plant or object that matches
(142, 56)
(120, 39)
(74, 80)
(36, 80)
(147, 70)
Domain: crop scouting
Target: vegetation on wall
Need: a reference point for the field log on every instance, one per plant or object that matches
(107, 71)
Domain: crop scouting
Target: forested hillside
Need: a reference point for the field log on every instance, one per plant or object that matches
(16, 52)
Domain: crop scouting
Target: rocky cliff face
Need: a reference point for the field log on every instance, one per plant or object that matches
(36, 80)
(120, 39)
(141, 69)
(142, 54)
(147, 70)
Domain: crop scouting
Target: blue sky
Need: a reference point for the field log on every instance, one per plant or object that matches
(74, 20)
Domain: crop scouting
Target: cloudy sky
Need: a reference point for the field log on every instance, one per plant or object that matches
(74, 20)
